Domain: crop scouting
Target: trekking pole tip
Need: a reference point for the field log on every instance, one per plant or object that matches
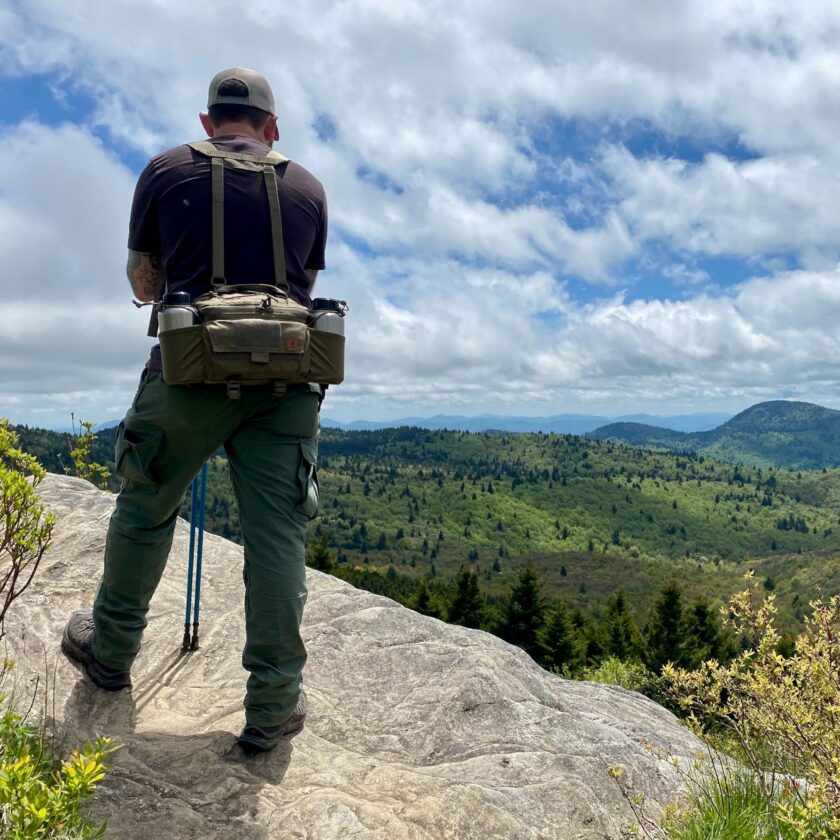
(194, 641)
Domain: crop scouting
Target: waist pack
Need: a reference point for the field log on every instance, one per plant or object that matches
(253, 333)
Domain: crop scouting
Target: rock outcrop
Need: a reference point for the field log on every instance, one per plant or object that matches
(417, 729)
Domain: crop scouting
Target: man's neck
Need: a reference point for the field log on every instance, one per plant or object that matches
(239, 130)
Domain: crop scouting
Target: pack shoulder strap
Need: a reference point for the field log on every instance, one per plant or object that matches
(266, 164)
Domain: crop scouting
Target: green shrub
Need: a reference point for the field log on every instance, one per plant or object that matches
(80, 453)
(782, 712)
(626, 673)
(25, 530)
(40, 796)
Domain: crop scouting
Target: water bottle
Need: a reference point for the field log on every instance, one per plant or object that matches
(328, 315)
(176, 312)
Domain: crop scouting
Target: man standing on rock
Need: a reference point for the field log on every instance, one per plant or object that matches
(170, 430)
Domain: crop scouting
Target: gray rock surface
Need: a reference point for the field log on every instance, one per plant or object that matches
(417, 729)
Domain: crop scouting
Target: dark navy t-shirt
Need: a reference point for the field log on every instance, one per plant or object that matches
(171, 218)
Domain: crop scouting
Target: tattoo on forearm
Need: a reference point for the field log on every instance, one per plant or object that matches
(145, 274)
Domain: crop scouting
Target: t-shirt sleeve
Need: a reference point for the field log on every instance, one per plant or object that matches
(143, 227)
(315, 260)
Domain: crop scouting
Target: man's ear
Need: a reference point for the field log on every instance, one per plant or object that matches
(271, 130)
(206, 123)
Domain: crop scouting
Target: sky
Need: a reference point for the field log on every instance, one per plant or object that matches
(536, 208)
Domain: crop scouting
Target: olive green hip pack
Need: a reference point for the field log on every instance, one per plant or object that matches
(249, 334)
(252, 334)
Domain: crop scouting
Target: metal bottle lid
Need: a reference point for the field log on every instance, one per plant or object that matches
(328, 304)
(177, 299)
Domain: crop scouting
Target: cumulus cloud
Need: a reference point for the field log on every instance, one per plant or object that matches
(777, 203)
(69, 334)
(467, 236)
(440, 97)
(445, 338)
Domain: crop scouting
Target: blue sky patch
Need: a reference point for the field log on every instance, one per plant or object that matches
(325, 127)
(45, 98)
(378, 179)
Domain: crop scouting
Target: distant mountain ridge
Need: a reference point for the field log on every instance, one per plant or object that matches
(777, 433)
(568, 424)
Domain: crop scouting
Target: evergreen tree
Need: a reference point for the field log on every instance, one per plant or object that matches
(524, 614)
(587, 638)
(320, 555)
(665, 637)
(467, 607)
(620, 633)
(560, 640)
(706, 637)
(423, 601)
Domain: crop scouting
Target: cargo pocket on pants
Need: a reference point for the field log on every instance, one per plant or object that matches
(308, 487)
(135, 451)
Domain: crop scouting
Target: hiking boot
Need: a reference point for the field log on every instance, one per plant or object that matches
(258, 739)
(77, 644)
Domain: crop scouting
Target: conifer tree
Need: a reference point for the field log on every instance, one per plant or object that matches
(524, 614)
(320, 555)
(705, 636)
(467, 607)
(423, 601)
(620, 634)
(665, 638)
(587, 638)
(560, 640)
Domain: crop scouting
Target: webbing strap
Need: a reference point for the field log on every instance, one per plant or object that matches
(208, 149)
(276, 227)
(220, 158)
(217, 171)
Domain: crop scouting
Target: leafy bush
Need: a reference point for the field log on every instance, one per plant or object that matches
(80, 453)
(41, 797)
(783, 713)
(628, 674)
(25, 530)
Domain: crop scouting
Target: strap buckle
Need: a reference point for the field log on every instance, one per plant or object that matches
(281, 388)
(234, 389)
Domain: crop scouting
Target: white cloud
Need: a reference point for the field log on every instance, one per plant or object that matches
(70, 338)
(465, 339)
(772, 204)
(442, 97)
(445, 105)
(64, 204)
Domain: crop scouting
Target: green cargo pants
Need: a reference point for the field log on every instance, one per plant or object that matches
(271, 443)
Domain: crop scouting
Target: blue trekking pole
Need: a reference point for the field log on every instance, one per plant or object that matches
(198, 498)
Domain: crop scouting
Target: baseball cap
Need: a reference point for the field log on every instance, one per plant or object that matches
(259, 91)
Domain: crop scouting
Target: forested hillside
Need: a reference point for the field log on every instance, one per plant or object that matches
(404, 505)
(779, 433)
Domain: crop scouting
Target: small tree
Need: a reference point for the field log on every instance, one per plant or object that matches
(560, 640)
(80, 446)
(423, 601)
(25, 530)
(320, 555)
(621, 636)
(524, 614)
(467, 606)
(705, 636)
(665, 632)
